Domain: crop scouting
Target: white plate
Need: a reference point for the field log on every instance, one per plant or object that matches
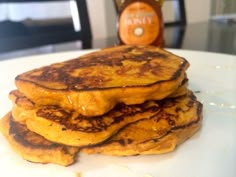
(209, 153)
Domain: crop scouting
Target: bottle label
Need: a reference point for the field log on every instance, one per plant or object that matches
(139, 24)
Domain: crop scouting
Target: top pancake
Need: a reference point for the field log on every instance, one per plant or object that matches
(94, 83)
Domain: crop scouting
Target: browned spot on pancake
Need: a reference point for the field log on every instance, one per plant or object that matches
(122, 142)
(21, 100)
(54, 113)
(28, 138)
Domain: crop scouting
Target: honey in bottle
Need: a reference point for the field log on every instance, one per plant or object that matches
(140, 22)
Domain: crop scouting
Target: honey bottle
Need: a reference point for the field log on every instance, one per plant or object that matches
(140, 22)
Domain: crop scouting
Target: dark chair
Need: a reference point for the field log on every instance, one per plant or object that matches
(30, 33)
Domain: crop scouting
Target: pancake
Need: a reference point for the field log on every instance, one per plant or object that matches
(33, 147)
(20, 99)
(71, 128)
(94, 83)
(178, 119)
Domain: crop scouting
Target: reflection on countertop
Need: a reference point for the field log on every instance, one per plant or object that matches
(212, 36)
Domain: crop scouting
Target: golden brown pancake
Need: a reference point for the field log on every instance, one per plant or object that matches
(94, 83)
(33, 147)
(71, 128)
(178, 119)
(20, 99)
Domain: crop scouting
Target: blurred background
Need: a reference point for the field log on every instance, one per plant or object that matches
(102, 12)
(210, 24)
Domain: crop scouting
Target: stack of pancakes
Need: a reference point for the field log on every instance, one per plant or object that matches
(124, 100)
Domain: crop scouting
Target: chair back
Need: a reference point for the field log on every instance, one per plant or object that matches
(179, 13)
(15, 35)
